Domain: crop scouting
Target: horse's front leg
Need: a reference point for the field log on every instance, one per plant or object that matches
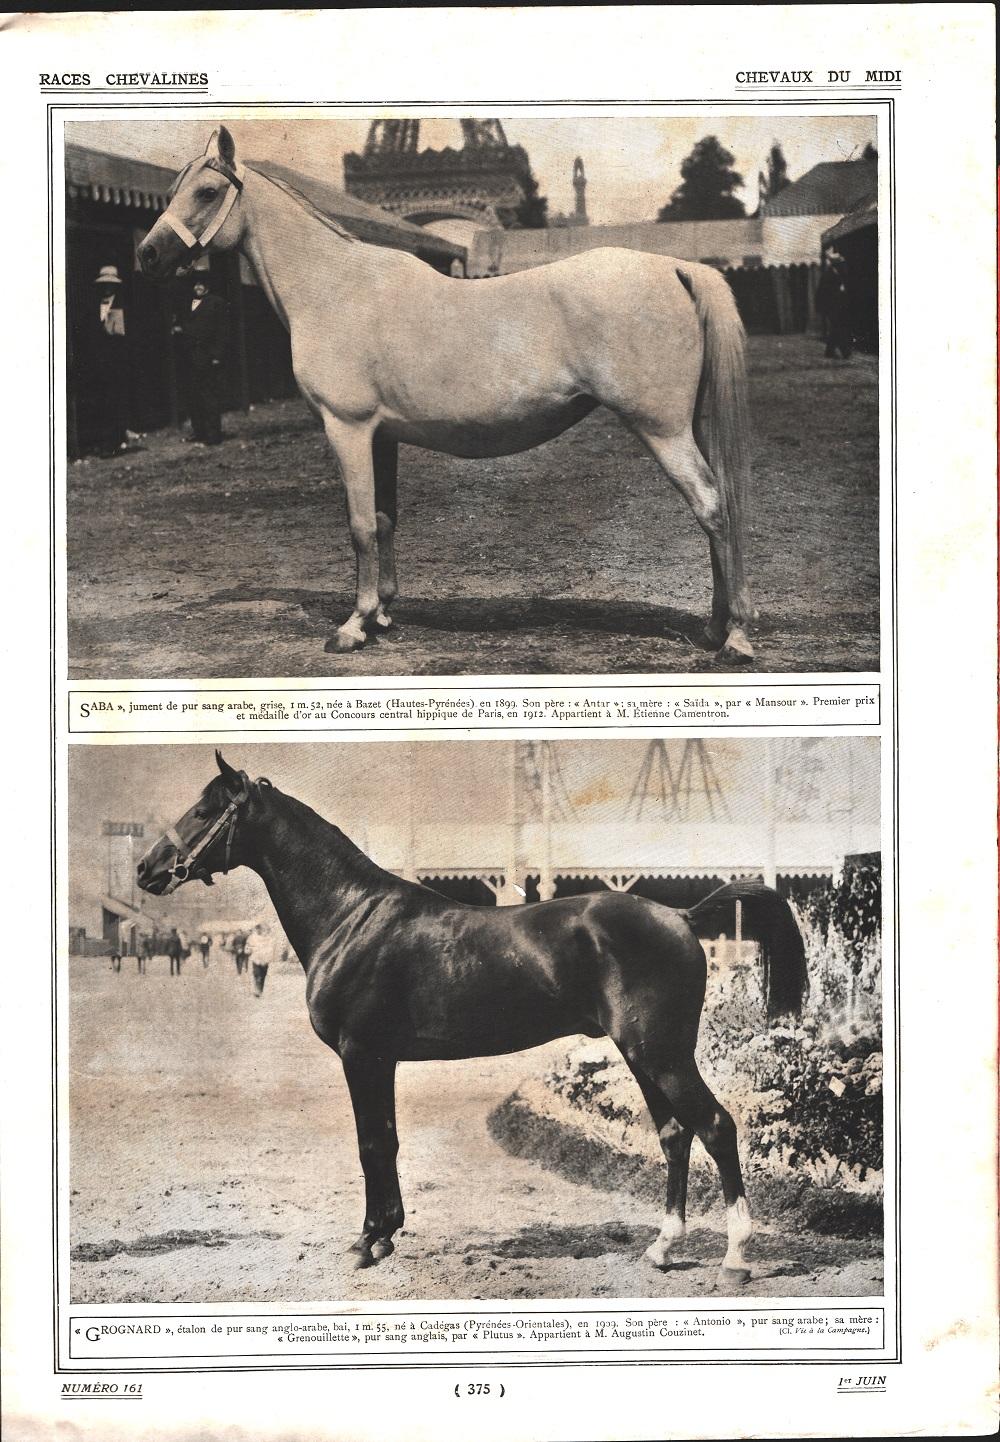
(385, 454)
(371, 1080)
(352, 445)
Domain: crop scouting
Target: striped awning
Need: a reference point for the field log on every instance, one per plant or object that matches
(115, 179)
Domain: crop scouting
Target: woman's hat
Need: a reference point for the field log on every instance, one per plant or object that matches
(108, 276)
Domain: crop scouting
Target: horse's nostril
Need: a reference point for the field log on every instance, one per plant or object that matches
(141, 869)
(147, 255)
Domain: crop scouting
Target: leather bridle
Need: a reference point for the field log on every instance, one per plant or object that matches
(196, 244)
(181, 869)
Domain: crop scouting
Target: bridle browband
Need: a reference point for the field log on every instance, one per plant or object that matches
(196, 244)
(188, 853)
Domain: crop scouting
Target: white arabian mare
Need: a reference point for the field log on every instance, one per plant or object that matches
(387, 350)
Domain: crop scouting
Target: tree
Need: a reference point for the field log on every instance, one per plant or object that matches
(707, 184)
(869, 152)
(777, 171)
(532, 213)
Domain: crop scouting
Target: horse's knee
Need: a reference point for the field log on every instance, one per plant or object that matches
(719, 1135)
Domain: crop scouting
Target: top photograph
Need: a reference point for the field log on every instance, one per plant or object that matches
(444, 396)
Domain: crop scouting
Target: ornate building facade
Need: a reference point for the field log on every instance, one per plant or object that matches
(484, 181)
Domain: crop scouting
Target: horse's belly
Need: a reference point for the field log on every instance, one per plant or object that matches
(480, 436)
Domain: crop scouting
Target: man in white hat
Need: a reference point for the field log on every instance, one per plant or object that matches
(111, 356)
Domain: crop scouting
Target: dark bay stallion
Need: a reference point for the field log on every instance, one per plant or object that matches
(398, 973)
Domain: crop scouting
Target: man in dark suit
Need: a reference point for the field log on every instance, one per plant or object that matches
(202, 332)
(106, 347)
(833, 301)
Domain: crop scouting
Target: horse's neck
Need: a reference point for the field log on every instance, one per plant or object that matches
(297, 260)
(314, 875)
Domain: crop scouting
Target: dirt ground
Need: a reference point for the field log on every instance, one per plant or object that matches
(577, 557)
(213, 1158)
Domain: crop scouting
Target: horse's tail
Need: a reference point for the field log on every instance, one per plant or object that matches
(722, 413)
(768, 920)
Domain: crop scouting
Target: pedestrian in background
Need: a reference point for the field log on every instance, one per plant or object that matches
(833, 301)
(238, 947)
(109, 349)
(202, 332)
(267, 947)
(175, 951)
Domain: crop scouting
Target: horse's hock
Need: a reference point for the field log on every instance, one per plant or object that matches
(586, 1120)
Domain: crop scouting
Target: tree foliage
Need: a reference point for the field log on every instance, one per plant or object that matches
(708, 181)
(777, 177)
(532, 213)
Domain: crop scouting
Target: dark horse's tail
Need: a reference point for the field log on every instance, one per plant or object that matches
(768, 920)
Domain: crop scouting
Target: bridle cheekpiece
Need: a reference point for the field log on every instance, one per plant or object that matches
(187, 853)
(196, 244)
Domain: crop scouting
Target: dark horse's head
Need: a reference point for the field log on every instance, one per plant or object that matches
(206, 838)
(203, 211)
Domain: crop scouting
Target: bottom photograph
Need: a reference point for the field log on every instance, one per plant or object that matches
(475, 1020)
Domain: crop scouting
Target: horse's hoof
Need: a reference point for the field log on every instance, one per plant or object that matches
(711, 639)
(737, 647)
(345, 640)
(383, 621)
(734, 1276)
(382, 1248)
(362, 1258)
(659, 1258)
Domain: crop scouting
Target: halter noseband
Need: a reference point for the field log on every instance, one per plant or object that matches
(188, 853)
(198, 243)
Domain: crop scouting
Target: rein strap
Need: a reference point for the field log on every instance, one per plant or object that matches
(180, 871)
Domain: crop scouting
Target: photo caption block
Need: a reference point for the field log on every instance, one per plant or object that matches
(350, 1338)
(255, 710)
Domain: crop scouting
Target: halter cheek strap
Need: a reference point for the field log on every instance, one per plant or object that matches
(187, 854)
(197, 243)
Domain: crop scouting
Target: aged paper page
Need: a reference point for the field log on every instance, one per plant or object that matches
(502, 859)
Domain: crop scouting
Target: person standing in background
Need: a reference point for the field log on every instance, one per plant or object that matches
(110, 352)
(833, 301)
(175, 951)
(265, 945)
(202, 331)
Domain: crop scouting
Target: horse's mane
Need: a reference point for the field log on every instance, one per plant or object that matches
(307, 205)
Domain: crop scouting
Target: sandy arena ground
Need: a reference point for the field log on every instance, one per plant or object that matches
(213, 1158)
(576, 557)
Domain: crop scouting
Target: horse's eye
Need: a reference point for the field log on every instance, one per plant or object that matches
(205, 192)
(200, 815)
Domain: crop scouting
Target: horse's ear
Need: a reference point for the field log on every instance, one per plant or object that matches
(227, 147)
(232, 778)
(222, 146)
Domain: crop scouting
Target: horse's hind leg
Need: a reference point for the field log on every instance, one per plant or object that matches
(732, 611)
(371, 1081)
(675, 1140)
(676, 1090)
(696, 1107)
(385, 454)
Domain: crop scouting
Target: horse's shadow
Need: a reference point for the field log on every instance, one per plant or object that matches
(491, 614)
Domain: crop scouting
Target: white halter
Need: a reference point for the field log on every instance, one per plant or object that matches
(197, 243)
